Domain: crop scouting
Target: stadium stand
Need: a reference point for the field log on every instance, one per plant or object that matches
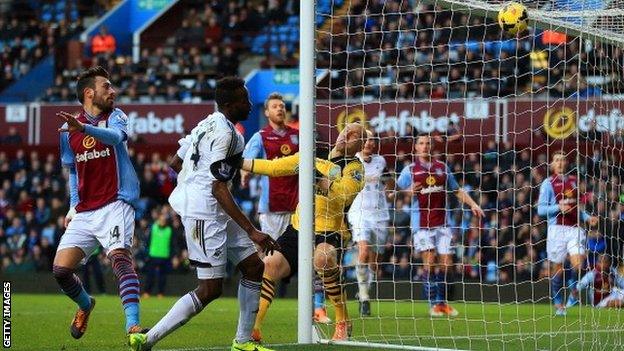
(467, 61)
(33, 202)
(209, 43)
(33, 196)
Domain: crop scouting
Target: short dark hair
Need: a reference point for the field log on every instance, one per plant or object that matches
(273, 96)
(226, 89)
(422, 134)
(86, 79)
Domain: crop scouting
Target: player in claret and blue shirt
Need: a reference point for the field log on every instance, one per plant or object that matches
(429, 180)
(103, 186)
(557, 202)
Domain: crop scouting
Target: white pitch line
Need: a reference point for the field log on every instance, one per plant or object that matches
(422, 348)
(553, 333)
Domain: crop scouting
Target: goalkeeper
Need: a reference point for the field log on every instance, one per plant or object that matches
(341, 180)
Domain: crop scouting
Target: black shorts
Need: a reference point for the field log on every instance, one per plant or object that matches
(289, 246)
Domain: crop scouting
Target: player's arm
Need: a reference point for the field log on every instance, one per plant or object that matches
(254, 149)
(587, 218)
(405, 178)
(546, 202)
(287, 166)
(115, 133)
(388, 180)
(67, 160)
(462, 195)
(176, 161)
(222, 170)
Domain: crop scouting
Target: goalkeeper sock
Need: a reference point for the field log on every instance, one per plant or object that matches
(430, 288)
(556, 291)
(331, 281)
(72, 286)
(128, 280)
(187, 307)
(267, 292)
(248, 301)
(363, 278)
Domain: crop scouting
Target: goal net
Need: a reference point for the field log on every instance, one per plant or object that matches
(500, 111)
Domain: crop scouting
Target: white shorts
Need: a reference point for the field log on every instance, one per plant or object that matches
(438, 239)
(211, 243)
(615, 295)
(374, 231)
(111, 226)
(274, 223)
(563, 240)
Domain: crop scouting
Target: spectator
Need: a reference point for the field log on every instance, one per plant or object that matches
(13, 137)
(159, 254)
(103, 43)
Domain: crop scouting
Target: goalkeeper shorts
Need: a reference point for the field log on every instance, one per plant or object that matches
(289, 246)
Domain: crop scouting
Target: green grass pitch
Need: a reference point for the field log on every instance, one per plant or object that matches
(40, 322)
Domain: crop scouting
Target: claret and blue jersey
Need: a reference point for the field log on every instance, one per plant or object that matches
(98, 162)
(428, 208)
(558, 188)
(279, 194)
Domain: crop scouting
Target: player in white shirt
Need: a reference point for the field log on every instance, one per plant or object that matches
(368, 217)
(216, 229)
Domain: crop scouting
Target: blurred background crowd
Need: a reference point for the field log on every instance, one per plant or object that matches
(508, 245)
(375, 49)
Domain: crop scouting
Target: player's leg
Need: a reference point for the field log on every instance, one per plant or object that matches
(206, 246)
(362, 237)
(129, 286)
(187, 307)
(64, 268)
(576, 250)
(116, 231)
(242, 253)
(76, 243)
(320, 311)
(425, 245)
(249, 292)
(444, 274)
(326, 264)
(556, 251)
(278, 265)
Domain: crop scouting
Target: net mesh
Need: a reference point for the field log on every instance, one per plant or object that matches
(498, 109)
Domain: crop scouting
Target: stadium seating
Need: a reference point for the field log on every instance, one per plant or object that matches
(33, 202)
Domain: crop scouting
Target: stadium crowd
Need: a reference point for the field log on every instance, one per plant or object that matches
(391, 50)
(209, 44)
(509, 245)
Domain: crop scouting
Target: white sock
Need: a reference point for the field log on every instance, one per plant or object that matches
(363, 278)
(184, 309)
(249, 302)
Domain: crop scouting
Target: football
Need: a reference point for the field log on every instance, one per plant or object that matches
(513, 18)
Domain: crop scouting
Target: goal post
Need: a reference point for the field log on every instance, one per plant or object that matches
(306, 171)
(498, 109)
